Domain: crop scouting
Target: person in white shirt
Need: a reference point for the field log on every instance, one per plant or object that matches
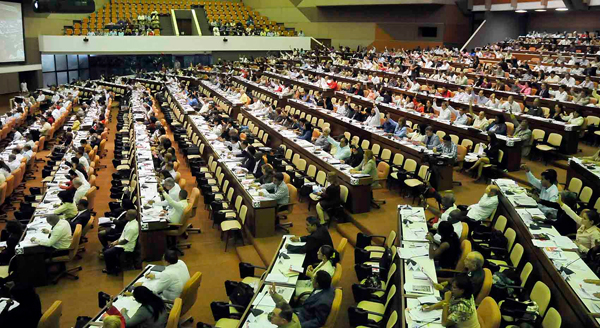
(169, 283)
(492, 101)
(449, 206)
(27, 152)
(561, 94)
(575, 118)
(59, 237)
(445, 112)
(553, 78)
(414, 86)
(374, 119)
(126, 243)
(173, 191)
(547, 190)
(176, 207)
(13, 163)
(568, 80)
(511, 105)
(82, 160)
(485, 207)
(41, 97)
(81, 185)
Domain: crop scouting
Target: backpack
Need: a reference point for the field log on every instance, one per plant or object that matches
(242, 294)
(497, 239)
(373, 281)
(593, 259)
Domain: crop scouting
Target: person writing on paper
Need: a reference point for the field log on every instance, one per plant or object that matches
(314, 311)
(491, 156)
(278, 191)
(328, 257)
(458, 306)
(152, 312)
(67, 209)
(447, 148)
(431, 140)
(59, 239)
(169, 283)
(547, 190)
(318, 237)
(448, 250)
(367, 166)
(588, 233)
(330, 198)
(28, 311)
(474, 266)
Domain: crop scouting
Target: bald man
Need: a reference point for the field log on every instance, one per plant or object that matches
(474, 270)
(485, 207)
(59, 237)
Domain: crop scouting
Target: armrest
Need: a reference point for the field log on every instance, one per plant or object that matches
(175, 224)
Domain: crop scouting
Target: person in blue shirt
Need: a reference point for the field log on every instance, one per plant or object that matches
(307, 131)
(498, 126)
(193, 101)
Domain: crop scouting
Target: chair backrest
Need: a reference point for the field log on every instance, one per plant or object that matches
(293, 194)
(575, 185)
(51, 318)
(3, 192)
(488, 313)
(465, 231)
(344, 194)
(510, 235)
(586, 194)
(486, 287)
(311, 171)
(555, 139)
(465, 249)
(88, 226)
(190, 292)
(243, 212)
(182, 184)
(553, 319)
(467, 143)
(335, 309)
(341, 248)
(392, 320)
(337, 275)
(516, 254)
(541, 295)
(410, 165)
(527, 269)
(238, 203)
(391, 239)
(286, 178)
(383, 170)
(195, 198)
(398, 159)
(500, 223)
(386, 155)
(175, 314)
(74, 248)
(90, 195)
(321, 178)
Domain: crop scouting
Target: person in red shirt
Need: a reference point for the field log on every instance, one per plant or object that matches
(445, 93)
(332, 84)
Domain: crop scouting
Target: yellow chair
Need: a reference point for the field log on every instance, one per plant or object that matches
(515, 257)
(335, 308)
(540, 294)
(488, 313)
(552, 319)
(51, 318)
(189, 295)
(486, 287)
(384, 284)
(465, 232)
(393, 319)
(173, 321)
(234, 225)
(73, 249)
(376, 310)
(341, 248)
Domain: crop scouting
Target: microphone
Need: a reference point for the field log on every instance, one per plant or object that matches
(565, 269)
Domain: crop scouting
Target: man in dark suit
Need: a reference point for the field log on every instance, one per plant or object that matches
(82, 217)
(315, 310)
(318, 236)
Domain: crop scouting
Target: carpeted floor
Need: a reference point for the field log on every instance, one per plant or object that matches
(207, 253)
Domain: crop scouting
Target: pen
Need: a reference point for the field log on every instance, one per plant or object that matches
(428, 322)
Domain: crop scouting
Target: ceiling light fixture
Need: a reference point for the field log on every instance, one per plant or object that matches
(520, 11)
(540, 10)
(562, 9)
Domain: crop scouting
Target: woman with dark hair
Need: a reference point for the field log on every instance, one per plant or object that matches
(329, 258)
(66, 209)
(458, 305)
(164, 174)
(267, 174)
(27, 313)
(498, 126)
(307, 132)
(152, 312)
(448, 250)
(491, 155)
(11, 235)
(588, 233)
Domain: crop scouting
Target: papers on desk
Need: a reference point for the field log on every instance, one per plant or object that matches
(415, 234)
(409, 253)
(563, 242)
(505, 183)
(415, 288)
(522, 200)
(554, 253)
(3, 304)
(543, 243)
(276, 277)
(585, 290)
(127, 302)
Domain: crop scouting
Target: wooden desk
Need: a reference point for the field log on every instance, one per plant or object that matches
(573, 312)
(357, 188)
(442, 179)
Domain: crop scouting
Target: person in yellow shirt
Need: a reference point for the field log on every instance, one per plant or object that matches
(66, 209)
(76, 125)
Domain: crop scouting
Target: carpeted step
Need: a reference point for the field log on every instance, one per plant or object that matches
(349, 231)
(249, 254)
